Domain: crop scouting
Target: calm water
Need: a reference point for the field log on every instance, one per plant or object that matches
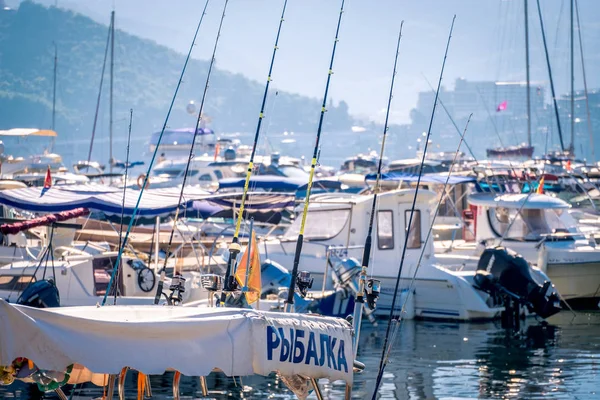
(434, 361)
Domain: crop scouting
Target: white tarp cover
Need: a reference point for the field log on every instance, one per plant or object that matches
(193, 341)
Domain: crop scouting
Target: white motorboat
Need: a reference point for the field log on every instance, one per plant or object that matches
(541, 229)
(337, 225)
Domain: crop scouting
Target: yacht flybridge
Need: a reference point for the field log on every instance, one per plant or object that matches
(336, 227)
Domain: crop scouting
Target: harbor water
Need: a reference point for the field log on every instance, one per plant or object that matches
(430, 360)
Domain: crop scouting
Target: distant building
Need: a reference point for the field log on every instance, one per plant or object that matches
(582, 145)
(484, 97)
(499, 114)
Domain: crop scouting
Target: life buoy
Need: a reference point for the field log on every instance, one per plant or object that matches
(140, 181)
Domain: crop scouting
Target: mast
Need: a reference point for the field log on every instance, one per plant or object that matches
(585, 87)
(560, 136)
(99, 92)
(526, 5)
(292, 288)
(572, 38)
(112, 65)
(54, 88)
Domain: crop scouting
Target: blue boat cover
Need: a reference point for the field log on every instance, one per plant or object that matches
(155, 202)
(105, 199)
(276, 183)
(425, 178)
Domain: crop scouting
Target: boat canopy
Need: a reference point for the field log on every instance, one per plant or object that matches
(100, 198)
(28, 132)
(239, 342)
(181, 136)
(425, 178)
(517, 201)
(155, 202)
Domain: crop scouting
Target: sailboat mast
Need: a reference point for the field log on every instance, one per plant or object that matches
(560, 136)
(112, 65)
(585, 87)
(528, 84)
(54, 87)
(572, 147)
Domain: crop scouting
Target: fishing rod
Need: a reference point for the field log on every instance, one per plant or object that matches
(125, 189)
(451, 119)
(410, 219)
(146, 178)
(359, 299)
(397, 322)
(313, 164)
(235, 248)
(190, 157)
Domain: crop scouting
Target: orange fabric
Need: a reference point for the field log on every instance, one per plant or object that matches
(254, 281)
(141, 385)
(540, 188)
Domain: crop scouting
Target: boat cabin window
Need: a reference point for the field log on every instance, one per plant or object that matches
(320, 225)
(103, 267)
(529, 224)
(16, 283)
(385, 230)
(218, 174)
(414, 233)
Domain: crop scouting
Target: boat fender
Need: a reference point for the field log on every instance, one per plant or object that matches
(140, 181)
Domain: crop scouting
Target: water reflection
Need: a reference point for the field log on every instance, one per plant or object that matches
(432, 361)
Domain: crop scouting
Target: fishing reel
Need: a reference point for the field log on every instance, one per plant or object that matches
(304, 282)
(372, 291)
(212, 283)
(177, 288)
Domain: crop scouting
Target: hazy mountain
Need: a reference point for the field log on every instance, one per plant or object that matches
(145, 77)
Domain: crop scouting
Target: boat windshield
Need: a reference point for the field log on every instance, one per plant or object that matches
(529, 224)
(292, 171)
(320, 225)
(167, 172)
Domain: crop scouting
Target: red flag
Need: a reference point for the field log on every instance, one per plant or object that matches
(502, 106)
(48, 179)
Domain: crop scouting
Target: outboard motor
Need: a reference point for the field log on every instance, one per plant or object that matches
(503, 272)
(273, 276)
(41, 294)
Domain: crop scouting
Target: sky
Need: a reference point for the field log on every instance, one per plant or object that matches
(487, 42)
